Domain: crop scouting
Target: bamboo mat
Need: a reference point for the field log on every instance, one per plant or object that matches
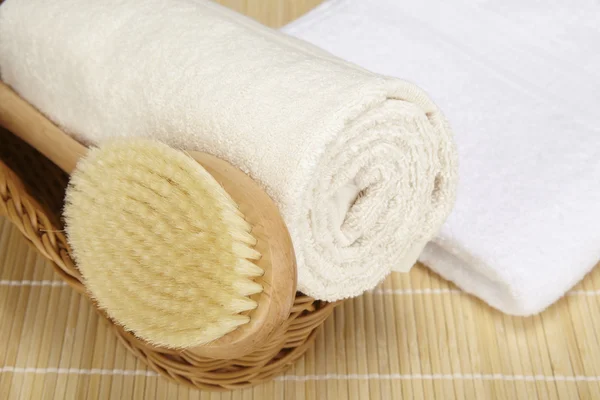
(416, 336)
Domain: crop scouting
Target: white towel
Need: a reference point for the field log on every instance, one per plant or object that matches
(520, 84)
(362, 166)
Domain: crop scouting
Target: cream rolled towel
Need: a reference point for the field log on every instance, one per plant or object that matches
(362, 166)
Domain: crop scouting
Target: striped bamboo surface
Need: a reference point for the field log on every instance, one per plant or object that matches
(416, 336)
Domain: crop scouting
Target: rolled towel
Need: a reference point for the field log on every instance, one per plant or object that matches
(362, 166)
(520, 83)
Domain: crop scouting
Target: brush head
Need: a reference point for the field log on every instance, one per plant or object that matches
(162, 247)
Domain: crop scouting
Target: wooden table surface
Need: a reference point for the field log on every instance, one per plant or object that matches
(274, 13)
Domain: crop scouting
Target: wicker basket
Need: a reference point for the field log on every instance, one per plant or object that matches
(31, 196)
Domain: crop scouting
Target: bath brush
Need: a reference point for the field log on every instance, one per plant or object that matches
(180, 248)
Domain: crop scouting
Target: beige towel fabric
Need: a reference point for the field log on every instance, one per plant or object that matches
(362, 166)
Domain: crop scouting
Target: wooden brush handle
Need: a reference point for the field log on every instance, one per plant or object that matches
(22, 119)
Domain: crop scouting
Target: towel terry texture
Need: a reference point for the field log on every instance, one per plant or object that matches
(520, 84)
(362, 166)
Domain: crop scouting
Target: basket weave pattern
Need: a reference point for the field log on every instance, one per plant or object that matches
(31, 193)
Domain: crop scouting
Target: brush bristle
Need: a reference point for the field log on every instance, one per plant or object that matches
(160, 244)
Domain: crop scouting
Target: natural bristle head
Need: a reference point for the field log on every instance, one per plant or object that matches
(160, 244)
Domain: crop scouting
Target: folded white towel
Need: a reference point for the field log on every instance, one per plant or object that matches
(520, 83)
(362, 166)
